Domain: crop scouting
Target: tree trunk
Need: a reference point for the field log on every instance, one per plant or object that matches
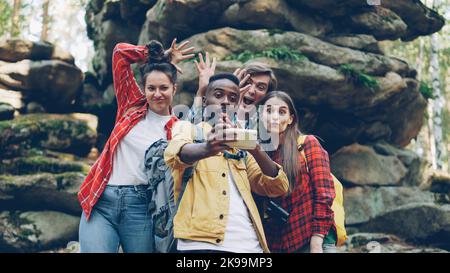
(422, 143)
(45, 20)
(15, 28)
(437, 144)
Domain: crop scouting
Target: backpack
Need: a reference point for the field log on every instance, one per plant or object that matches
(338, 202)
(162, 205)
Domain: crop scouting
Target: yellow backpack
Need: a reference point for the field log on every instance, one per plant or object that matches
(338, 202)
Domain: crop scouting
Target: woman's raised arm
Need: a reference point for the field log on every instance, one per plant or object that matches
(125, 86)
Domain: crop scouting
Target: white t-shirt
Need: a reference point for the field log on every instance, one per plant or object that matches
(240, 234)
(128, 160)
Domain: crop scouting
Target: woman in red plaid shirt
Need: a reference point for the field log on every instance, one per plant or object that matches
(115, 196)
(310, 224)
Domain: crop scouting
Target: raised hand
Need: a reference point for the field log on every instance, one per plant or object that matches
(243, 77)
(219, 136)
(205, 69)
(178, 53)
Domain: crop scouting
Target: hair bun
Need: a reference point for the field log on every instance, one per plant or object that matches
(156, 52)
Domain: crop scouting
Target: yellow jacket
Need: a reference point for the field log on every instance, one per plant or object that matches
(203, 211)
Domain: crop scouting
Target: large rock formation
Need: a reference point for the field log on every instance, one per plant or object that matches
(45, 191)
(43, 72)
(42, 156)
(36, 230)
(365, 105)
(56, 132)
(347, 89)
(14, 50)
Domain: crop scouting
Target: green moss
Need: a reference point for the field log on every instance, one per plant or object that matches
(25, 227)
(7, 179)
(358, 77)
(25, 233)
(159, 7)
(279, 53)
(56, 132)
(196, 56)
(16, 220)
(426, 90)
(37, 164)
(274, 31)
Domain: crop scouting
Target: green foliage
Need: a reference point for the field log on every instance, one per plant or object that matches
(196, 56)
(358, 77)
(37, 164)
(279, 53)
(5, 17)
(426, 90)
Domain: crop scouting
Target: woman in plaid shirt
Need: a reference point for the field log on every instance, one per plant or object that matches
(115, 195)
(310, 224)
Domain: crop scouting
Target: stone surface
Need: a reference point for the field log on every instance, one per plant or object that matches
(361, 42)
(380, 22)
(342, 111)
(363, 204)
(53, 83)
(35, 108)
(383, 243)
(416, 222)
(106, 28)
(48, 131)
(273, 14)
(320, 30)
(414, 163)
(43, 191)
(181, 19)
(6, 111)
(439, 182)
(39, 163)
(224, 42)
(14, 50)
(420, 20)
(361, 165)
(34, 231)
(14, 98)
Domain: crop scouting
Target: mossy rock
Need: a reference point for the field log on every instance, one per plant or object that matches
(37, 164)
(6, 111)
(49, 131)
(42, 191)
(33, 231)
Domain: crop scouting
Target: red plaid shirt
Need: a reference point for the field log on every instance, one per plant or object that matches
(309, 204)
(129, 96)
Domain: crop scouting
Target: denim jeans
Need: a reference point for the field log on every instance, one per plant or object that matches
(120, 217)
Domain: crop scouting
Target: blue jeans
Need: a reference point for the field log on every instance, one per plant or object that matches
(120, 217)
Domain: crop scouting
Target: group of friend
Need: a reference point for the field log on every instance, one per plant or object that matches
(223, 206)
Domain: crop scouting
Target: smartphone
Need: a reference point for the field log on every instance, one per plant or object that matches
(246, 138)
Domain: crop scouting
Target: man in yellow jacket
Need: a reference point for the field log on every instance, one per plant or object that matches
(217, 212)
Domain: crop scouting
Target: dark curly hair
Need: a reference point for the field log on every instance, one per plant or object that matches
(158, 61)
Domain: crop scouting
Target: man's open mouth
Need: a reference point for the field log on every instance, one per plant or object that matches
(248, 101)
